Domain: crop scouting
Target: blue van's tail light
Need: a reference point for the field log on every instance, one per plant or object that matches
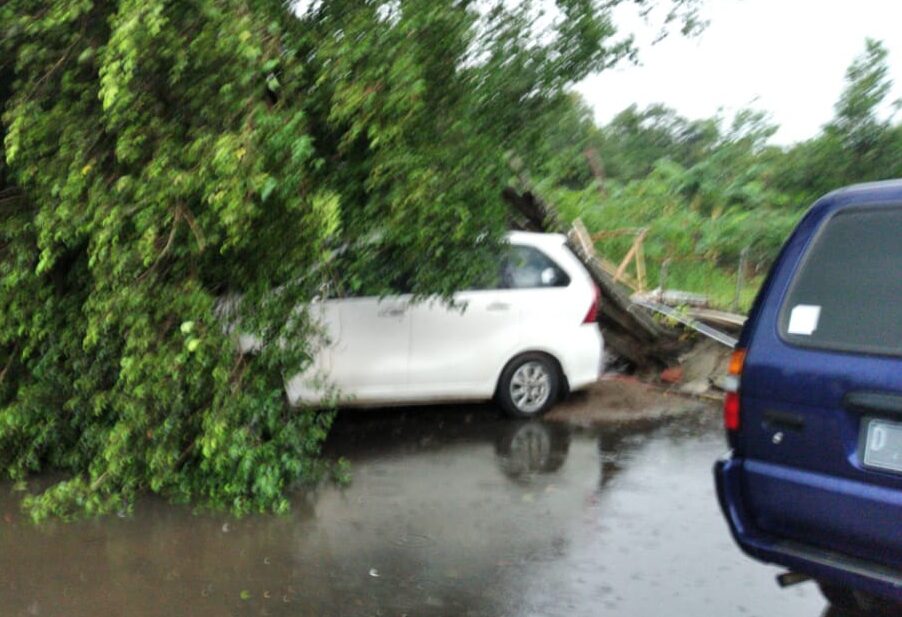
(731, 400)
(731, 411)
(737, 361)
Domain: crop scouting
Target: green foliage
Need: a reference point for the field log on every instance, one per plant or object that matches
(152, 171)
(861, 143)
(857, 108)
(158, 157)
(706, 192)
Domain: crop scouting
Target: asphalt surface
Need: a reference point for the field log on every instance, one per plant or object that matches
(451, 511)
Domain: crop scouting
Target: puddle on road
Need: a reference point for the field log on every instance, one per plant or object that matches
(451, 512)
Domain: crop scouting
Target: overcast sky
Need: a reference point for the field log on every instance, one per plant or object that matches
(787, 57)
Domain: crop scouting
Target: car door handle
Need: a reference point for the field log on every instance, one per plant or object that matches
(498, 306)
(784, 421)
(391, 312)
(880, 402)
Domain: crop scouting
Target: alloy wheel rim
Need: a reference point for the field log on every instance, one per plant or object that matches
(530, 386)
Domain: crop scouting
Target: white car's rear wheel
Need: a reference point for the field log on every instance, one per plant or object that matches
(529, 385)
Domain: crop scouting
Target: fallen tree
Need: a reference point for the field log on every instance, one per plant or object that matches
(158, 155)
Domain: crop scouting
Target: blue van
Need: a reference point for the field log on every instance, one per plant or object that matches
(813, 480)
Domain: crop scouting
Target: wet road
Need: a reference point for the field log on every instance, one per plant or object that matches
(451, 512)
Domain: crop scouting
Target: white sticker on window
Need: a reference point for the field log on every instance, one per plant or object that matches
(803, 319)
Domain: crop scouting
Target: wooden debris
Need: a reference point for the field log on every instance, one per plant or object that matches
(579, 235)
(675, 297)
(718, 318)
(676, 315)
(635, 253)
(629, 330)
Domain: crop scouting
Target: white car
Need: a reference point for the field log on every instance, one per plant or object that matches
(525, 343)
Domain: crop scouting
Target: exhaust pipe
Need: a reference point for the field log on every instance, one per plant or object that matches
(788, 579)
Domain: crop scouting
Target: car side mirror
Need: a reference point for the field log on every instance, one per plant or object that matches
(549, 277)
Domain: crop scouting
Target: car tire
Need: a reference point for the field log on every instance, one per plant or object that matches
(529, 385)
(839, 597)
(858, 603)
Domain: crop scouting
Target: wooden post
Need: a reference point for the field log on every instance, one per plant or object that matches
(585, 240)
(662, 276)
(640, 259)
(740, 277)
(621, 269)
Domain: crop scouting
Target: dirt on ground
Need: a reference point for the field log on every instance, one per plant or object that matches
(705, 365)
(620, 399)
(689, 386)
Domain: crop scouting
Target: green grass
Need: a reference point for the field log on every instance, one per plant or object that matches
(677, 233)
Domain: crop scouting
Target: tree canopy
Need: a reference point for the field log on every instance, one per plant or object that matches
(160, 156)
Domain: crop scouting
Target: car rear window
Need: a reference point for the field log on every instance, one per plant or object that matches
(525, 267)
(847, 295)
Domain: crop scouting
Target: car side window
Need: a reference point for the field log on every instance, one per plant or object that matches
(525, 267)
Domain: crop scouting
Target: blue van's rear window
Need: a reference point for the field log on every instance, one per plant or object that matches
(848, 293)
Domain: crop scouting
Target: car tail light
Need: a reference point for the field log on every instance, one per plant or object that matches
(731, 415)
(737, 361)
(592, 313)
(731, 411)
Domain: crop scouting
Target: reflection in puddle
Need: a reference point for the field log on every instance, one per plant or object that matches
(450, 512)
(529, 448)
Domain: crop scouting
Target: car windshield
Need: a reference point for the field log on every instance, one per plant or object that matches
(846, 294)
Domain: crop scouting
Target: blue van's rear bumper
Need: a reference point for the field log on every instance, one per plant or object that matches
(816, 562)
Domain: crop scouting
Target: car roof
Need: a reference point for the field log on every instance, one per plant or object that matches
(884, 190)
(536, 239)
(885, 193)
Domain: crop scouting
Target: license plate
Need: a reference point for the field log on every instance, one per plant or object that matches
(883, 445)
